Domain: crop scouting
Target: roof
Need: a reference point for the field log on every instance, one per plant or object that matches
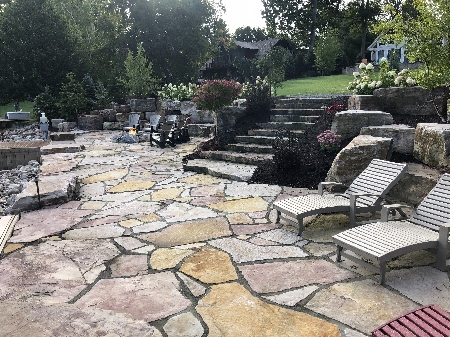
(263, 46)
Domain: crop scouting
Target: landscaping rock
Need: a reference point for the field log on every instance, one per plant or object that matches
(143, 105)
(402, 135)
(201, 130)
(202, 116)
(411, 100)
(432, 144)
(227, 117)
(62, 136)
(90, 122)
(67, 126)
(56, 122)
(52, 190)
(122, 117)
(348, 123)
(113, 125)
(364, 102)
(356, 156)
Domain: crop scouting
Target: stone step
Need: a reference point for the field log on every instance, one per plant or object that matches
(293, 118)
(255, 148)
(6, 228)
(285, 125)
(299, 112)
(221, 169)
(236, 157)
(270, 132)
(262, 140)
(299, 103)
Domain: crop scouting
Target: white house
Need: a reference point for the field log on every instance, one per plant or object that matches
(379, 50)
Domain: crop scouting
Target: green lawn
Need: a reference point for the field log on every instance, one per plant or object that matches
(336, 84)
(25, 106)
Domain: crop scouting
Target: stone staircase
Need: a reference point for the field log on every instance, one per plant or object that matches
(240, 159)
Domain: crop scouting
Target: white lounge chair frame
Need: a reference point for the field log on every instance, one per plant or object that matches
(428, 228)
(365, 194)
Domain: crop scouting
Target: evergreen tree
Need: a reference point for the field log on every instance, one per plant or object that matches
(73, 99)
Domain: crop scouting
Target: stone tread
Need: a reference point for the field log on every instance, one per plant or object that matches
(6, 227)
(221, 169)
(293, 118)
(297, 111)
(236, 157)
(286, 125)
(261, 140)
(269, 132)
(255, 148)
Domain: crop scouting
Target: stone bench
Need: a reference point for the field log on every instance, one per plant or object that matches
(402, 135)
(432, 144)
(348, 123)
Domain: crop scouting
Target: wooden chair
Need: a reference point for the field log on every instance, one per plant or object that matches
(182, 130)
(153, 126)
(164, 135)
(365, 194)
(382, 241)
(427, 321)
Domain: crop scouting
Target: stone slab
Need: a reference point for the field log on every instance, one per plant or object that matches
(277, 276)
(348, 123)
(229, 310)
(129, 265)
(432, 144)
(148, 297)
(166, 258)
(402, 135)
(184, 325)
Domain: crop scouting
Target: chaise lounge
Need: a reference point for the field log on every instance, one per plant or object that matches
(365, 194)
(428, 228)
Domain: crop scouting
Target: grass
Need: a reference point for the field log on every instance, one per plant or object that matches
(25, 106)
(335, 84)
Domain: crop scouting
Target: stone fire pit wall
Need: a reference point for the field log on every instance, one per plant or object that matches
(19, 153)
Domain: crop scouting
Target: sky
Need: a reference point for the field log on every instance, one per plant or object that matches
(241, 13)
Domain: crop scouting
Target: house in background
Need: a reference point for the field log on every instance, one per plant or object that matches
(223, 65)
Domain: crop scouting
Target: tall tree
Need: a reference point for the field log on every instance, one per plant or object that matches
(176, 35)
(249, 34)
(35, 49)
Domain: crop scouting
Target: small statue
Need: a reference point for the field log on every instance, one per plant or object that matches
(16, 106)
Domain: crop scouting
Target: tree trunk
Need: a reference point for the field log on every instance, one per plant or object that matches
(312, 38)
(364, 11)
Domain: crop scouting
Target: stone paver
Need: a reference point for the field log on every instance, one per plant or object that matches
(231, 310)
(195, 254)
(148, 297)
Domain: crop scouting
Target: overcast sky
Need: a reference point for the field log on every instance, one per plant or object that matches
(241, 13)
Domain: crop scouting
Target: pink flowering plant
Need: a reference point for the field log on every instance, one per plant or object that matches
(332, 109)
(216, 94)
(329, 141)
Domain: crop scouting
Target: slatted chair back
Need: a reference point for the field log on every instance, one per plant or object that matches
(434, 210)
(154, 121)
(172, 118)
(377, 179)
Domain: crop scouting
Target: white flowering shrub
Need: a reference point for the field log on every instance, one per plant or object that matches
(366, 80)
(179, 93)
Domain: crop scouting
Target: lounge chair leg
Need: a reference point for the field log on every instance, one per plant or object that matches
(339, 254)
(278, 217)
(441, 259)
(300, 225)
(352, 211)
(382, 272)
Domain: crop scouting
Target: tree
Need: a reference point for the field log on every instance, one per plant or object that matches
(327, 50)
(273, 66)
(35, 49)
(72, 98)
(139, 78)
(248, 34)
(46, 102)
(176, 34)
(426, 33)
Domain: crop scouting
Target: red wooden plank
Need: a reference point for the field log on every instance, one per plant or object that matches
(404, 332)
(388, 331)
(378, 333)
(423, 325)
(413, 327)
(430, 320)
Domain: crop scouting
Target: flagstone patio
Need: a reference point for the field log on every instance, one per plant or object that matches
(151, 250)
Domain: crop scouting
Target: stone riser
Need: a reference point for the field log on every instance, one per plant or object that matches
(236, 157)
(254, 140)
(269, 132)
(286, 125)
(233, 171)
(293, 118)
(302, 104)
(298, 112)
(250, 148)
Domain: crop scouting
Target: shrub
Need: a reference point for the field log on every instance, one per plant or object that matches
(73, 99)
(180, 93)
(47, 103)
(258, 96)
(216, 94)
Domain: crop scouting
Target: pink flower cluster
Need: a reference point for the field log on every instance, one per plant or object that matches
(216, 94)
(329, 141)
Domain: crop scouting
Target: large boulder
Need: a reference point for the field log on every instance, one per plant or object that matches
(348, 123)
(114, 125)
(227, 117)
(143, 105)
(53, 190)
(411, 100)
(356, 156)
(403, 136)
(90, 122)
(432, 144)
(202, 116)
(364, 102)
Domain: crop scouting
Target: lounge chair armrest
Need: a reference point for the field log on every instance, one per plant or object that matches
(387, 209)
(327, 183)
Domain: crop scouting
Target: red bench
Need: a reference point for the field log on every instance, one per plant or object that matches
(428, 321)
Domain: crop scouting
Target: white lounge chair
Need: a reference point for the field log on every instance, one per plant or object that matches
(365, 194)
(382, 241)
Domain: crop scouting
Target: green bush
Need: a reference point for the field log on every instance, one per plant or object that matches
(258, 97)
(72, 98)
(47, 103)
